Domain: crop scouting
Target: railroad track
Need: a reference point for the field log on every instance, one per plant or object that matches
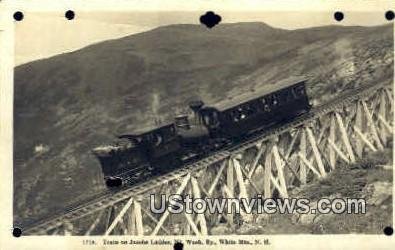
(109, 198)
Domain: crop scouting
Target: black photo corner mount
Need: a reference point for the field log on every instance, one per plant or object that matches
(178, 246)
(388, 231)
(389, 15)
(69, 15)
(18, 16)
(210, 19)
(16, 232)
(339, 16)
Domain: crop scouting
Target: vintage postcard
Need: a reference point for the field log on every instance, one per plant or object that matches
(196, 124)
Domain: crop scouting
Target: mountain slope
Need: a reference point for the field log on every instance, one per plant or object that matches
(70, 103)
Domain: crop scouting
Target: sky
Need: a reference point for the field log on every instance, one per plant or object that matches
(44, 34)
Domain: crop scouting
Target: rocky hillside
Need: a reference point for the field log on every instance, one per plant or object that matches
(70, 103)
(369, 179)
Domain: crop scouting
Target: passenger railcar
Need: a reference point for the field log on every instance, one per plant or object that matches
(263, 107)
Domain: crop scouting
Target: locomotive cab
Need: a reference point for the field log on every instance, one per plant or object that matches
(210, 118)
(207, 117)
(192, 131)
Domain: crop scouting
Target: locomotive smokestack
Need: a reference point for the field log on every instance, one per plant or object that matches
(196, 105)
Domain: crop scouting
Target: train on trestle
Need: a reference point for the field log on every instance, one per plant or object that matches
(163, 148)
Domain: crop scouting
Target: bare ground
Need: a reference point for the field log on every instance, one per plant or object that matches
(369, 178)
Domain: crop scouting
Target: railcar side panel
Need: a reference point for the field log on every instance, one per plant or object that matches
(264, 111)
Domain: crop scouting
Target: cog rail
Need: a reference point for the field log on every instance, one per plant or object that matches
(110, 198)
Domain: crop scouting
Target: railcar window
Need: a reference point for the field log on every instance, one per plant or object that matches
(285, 96)
(302, 90)
(294, 93)
(251, 108)
(158, 138)
(165, 133)
(299, 91)
(172, 130)
(215, 116)
(246, 111)
(149, 137)
(291, 94)
(288, 95)
(282, 97)
(265, 101)
(206, 120)
(243, 111)
(236, 114)
(274, 100)
(231, 116)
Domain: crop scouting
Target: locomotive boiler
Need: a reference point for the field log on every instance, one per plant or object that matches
(160, 149)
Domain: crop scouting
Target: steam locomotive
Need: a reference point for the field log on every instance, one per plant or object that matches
(160, 149)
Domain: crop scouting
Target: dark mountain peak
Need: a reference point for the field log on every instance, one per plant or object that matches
(222, 27)
(219, 26)
(247, 25)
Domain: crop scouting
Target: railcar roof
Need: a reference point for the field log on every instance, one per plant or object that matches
(256, 93)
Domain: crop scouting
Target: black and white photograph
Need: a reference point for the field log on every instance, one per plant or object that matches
(202, 123)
